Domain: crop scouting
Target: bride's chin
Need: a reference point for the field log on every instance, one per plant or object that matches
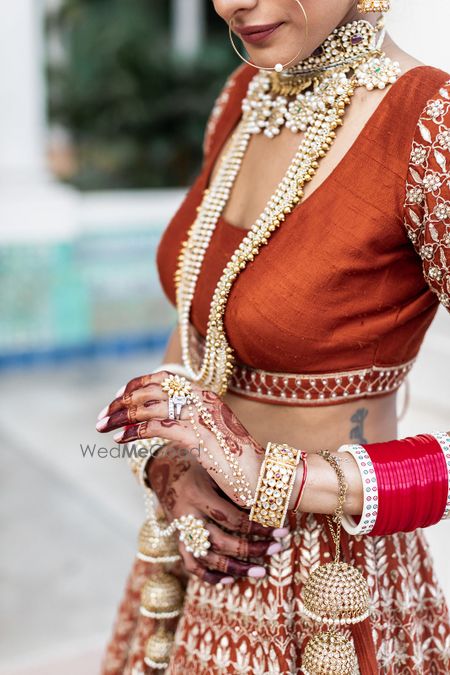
(264, 58)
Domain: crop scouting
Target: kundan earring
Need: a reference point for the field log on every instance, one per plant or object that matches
(279, 67)
(366, 6)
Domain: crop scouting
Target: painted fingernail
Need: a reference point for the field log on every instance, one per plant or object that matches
(120, 391)
(119, 436)
(280, 532)
(102, 424)
(256, 572)
(274, 548)
(103, 412)
(227, 580)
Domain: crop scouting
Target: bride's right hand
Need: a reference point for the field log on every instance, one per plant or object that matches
(184, 487)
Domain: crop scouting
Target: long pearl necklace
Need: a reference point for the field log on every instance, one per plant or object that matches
(333, 91)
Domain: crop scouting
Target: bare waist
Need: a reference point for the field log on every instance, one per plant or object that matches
(363, 421)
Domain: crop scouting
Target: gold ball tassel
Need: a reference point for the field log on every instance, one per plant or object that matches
(335, 594)
(162, 595)
(158, 649)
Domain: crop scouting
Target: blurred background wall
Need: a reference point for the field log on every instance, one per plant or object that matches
(103, 108)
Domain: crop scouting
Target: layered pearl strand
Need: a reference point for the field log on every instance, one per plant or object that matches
(331, 93)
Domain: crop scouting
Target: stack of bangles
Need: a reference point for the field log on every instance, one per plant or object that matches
(406, 484)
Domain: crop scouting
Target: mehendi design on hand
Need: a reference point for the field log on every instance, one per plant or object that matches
(164, 475)
(238, 438)
(148, 404)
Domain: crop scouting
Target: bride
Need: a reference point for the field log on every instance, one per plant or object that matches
(284, 525)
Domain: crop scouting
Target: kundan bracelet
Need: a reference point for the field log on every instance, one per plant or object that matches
(275, 485)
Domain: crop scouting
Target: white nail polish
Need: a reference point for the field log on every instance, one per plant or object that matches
(101, 424)
(102, 412)
(256, 572)
(274, 548)
(227, 580)
(280, 532)
(119, 436)
(120, 391)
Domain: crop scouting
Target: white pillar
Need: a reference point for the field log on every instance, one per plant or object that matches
(22, 118)
(32, 206)
(188, 27)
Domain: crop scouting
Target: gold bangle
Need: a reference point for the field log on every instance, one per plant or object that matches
(275, 484)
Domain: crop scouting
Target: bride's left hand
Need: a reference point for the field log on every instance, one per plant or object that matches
(141, 408)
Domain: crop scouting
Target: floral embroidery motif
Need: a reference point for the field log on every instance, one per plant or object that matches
(427, 203)
(255, 627)
(444, 139)
(419, 154)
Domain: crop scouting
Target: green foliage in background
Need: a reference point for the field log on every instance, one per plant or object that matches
(135, 112)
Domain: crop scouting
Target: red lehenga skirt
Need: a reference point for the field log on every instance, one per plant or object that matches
(255, 627)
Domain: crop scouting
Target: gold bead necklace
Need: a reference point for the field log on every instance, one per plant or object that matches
(332, 92)
(218, 358)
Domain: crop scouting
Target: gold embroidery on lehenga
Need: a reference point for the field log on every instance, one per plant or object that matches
(410, 626)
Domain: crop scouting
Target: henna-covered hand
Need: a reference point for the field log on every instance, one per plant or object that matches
(142, 409)
(184, 487)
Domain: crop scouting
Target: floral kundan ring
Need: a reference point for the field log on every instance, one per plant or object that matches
(178, 389)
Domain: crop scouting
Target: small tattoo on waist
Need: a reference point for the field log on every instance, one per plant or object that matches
(357, 431)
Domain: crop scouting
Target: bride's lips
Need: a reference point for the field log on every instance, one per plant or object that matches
(257, 33)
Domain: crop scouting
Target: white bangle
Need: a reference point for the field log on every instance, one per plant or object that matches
(175, 368)
(444, 441)
(140, 453)
(370, 492)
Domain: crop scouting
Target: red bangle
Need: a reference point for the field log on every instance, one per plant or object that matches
(412, 478)
(303, 457)
(439, 488)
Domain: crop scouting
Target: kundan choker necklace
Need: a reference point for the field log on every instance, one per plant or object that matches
(292, 97)
(311, 98)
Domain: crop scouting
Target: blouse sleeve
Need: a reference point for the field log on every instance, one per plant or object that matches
(218, 110)
(427, 202)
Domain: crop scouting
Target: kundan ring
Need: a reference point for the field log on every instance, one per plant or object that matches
(179, 390)
(194, 535)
